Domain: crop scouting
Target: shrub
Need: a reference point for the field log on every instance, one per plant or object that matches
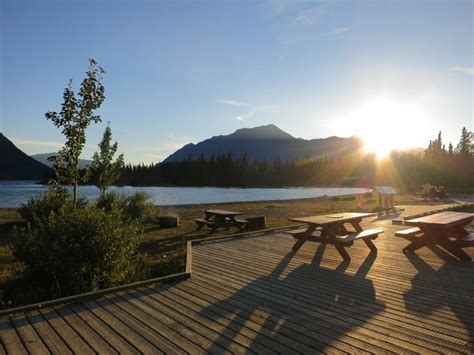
(134, 208)
(425, 190)
(39, 209)
(110, 200)
(138, 208)
(79, 249)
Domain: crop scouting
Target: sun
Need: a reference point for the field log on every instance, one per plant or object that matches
(387, 124)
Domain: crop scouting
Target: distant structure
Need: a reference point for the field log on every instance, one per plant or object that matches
(386, 194)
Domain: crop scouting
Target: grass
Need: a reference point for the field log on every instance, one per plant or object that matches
(165, 248)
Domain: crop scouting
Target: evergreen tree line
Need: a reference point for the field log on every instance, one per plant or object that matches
(452, 167)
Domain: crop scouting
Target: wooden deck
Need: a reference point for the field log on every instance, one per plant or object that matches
(253, 295)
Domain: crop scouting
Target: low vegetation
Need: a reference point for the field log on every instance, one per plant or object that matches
(77, 250)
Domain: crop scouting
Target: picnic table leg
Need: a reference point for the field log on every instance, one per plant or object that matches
(298, 245)
(454, 249)
(330, 232)
(416, 244)
(370, 244)
(342, 251)
(356, 225)
(303, 239)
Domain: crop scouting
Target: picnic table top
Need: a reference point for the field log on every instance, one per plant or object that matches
(331, 218)
(444, 219)
(223, 212)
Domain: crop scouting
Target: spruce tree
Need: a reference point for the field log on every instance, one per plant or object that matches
(465, 146)
(104, 168)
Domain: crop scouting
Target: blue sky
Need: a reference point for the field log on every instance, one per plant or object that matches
(183, 71)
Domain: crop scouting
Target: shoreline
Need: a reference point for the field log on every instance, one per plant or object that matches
(289, 200)
(184, 196)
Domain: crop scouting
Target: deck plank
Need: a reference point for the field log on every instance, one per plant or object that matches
(160, 342)
(245, 262)
(226, 331)
(338, 310)
(305, 337)
(397, 310)
(28, 335)
(245, 326)
(68, 334)
(171, 328)
(10, 339)
(88, 334)
(130, 334)
(175, 308)
(52, 340)
(243, 335)
(119, 344)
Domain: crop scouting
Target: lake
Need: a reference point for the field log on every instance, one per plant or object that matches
(14, 193)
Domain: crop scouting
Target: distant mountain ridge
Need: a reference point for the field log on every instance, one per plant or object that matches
(265, 143)
(16, 165)
(43, 158)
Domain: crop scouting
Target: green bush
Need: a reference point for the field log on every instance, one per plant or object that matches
(134, 208)
(110, 200)
(425, 190)
(39, 208)
(80, 249)
(138, 208)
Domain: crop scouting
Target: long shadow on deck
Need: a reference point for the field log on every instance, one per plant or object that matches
(307, 309)
(450, 286)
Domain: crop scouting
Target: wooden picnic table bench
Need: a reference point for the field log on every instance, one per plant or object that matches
(215, 218)
(445, 229)
(331, 229)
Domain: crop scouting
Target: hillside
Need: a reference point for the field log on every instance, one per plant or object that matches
(43, 159)
(265, 143)
(16, 165)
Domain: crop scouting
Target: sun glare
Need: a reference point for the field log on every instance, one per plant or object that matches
(386, 125)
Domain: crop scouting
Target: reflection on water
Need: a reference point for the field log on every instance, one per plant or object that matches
(14, 193)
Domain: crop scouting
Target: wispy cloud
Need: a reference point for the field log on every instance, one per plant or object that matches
(251, 106)
(277, 7)
(464, 70)
(340, 30)
(307, 16)
(295, 13)
(18, 141)
(233, 102)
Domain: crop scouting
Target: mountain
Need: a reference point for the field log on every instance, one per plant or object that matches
(43, 158)
(16, 165)
(265, 143)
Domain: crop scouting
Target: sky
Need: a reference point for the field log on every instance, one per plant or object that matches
(183, 71)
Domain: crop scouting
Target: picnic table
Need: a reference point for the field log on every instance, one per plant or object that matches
(215, 218)
(445, 229)
(331, 229)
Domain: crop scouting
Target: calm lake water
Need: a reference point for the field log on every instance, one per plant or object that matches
(14, 193)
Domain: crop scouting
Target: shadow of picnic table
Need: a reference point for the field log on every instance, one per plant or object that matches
(305, 309)
(452, 286)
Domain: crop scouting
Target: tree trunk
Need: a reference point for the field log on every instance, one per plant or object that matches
(75, 194)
